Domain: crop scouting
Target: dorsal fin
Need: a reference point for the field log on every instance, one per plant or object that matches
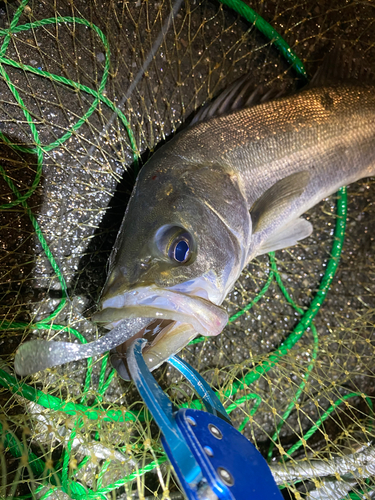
(339, 66)
(243, 93)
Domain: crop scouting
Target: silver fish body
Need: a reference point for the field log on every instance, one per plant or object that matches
(232, 187)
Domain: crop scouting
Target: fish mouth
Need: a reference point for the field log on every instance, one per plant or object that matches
(178, 318)
(168, 319)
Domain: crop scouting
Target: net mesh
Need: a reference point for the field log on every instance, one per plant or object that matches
(88, 90)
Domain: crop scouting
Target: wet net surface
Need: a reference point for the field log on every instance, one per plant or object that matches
(86, 87)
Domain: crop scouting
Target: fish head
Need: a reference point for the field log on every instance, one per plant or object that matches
(177, 252)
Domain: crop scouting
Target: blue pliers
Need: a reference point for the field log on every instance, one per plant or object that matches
(211, 459)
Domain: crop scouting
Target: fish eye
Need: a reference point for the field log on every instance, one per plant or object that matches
(175, 243)
(179, 250)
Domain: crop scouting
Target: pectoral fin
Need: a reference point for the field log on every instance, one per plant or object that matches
(271, 215)
(286, 236)
(277, 199)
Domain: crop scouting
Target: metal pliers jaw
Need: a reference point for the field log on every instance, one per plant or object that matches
(211, 459)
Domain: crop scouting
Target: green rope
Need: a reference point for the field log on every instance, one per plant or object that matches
(73, 489)
(261, 24)
(59, 79)
(56, 404)
(324, 417)
(20, 199)
(11, 443)
(309, 368)
(239, 402)
(7, 33)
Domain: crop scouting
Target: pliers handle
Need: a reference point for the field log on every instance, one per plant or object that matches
(211, 459)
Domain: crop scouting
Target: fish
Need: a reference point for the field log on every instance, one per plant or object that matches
(230, 187)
